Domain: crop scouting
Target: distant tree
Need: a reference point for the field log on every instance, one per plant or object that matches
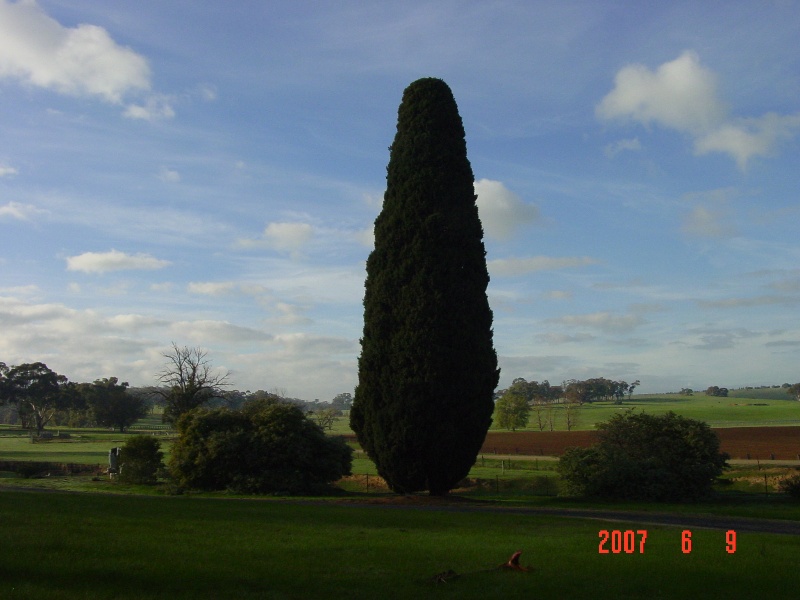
(112, 405)
(428, 368)
(264, 395)
(512, 410)
(4, 383)
(686, 392)
(619, 389)
(342, 401)
(190, 381)
(548, 393)
(632, 387)
(794, 391)
(571, 413)
(266, 447)
(37, 390)
(540, 398)
(717, 391)
(646, 457)
(580, 392)
(325, 417)
(232, 398)
(141, 459)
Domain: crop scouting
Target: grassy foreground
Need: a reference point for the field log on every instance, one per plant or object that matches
(65, 546)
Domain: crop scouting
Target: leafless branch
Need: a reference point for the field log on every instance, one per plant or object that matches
(188, 368)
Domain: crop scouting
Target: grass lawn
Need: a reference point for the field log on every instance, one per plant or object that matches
(84, 446)
(99, 546)
(117, 543)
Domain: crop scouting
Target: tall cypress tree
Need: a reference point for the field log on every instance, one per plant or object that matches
(428, 368)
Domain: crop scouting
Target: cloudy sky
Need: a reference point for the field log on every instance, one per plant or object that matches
(208, 174)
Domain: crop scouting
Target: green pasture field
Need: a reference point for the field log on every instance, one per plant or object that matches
(766, 393)
(742, 408)
(83, 446)
(69, 546)
(717, 412)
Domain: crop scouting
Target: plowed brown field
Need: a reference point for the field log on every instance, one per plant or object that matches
(782, 443)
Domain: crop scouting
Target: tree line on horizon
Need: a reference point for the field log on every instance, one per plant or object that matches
(35, 396)
(514, 405)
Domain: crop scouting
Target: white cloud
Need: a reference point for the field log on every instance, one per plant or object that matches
(92, 344)
(212, 288)
(746, 138)
(207, 92)
(708, 222)
(682, 95)
(22, 212)
(366, 237)
(502, 211)
(6, 171)
(605, 321)
(78, 61)
(290, 314)
(21, 290)
(156, 106)
(284, 237)
(169, 175)
(556, 339)
(305, 344)
(558, 295)
(507, 267)
(134, 322)
(208, 331)
(611, 150)
(288, 236)
(750, 302)
(162, 288)
(114, 260)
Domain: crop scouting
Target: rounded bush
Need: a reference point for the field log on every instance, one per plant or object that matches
(141, 459)
(791, 485)
(266, 447)
(646, 457)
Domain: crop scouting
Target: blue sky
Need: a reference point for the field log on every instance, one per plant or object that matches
(208, 174)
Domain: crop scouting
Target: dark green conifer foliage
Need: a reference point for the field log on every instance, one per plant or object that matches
(428, 368)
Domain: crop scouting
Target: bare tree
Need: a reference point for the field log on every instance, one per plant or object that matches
(571, 412)
(190, 381)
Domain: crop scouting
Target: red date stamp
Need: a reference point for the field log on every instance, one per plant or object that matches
(631, 542)
(617, 541)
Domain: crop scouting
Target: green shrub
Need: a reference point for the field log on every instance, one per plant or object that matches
(646, 457)
(140, 460)
(791, 486)
(266, 447)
